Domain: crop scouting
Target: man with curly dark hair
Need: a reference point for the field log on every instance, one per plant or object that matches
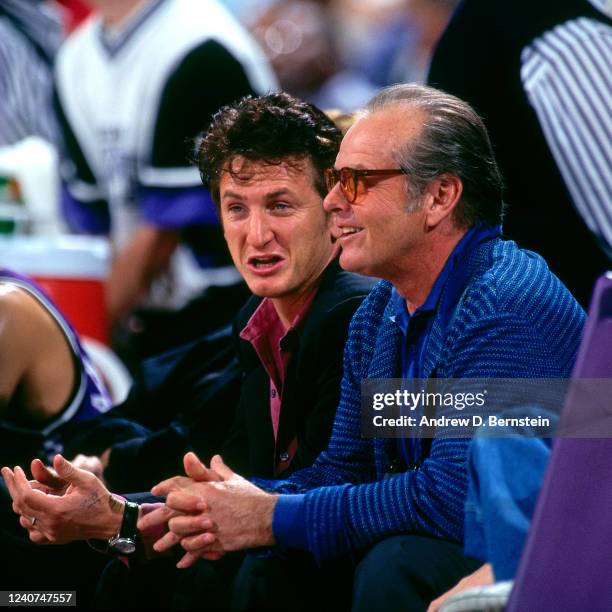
(263, 161)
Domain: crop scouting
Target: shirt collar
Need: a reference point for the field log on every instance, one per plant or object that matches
(273, 344)
(265, 318)
(114, 39)
(459, 256)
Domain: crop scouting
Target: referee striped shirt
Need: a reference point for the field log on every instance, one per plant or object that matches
(28, 37)
(567, 76)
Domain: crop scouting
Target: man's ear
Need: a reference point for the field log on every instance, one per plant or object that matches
(440, 198)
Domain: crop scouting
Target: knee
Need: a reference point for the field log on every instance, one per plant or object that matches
(388, 561)
(406, 572)
(380, 555)
(388, 572)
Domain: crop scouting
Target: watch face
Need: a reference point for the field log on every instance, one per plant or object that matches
(125, 546)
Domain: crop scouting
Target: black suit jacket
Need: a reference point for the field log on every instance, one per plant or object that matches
(212, 397)
(311, 388)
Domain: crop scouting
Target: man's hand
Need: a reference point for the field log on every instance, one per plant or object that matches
(46, 479)
(83, 509)
(483, 576)
(197, 472)
(236, 511)
(212, 512)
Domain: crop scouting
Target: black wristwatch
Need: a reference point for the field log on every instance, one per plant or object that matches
(124, 543)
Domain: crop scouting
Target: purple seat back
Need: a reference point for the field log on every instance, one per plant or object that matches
(567, 562)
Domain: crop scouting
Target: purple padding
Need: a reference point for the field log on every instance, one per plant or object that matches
(177, 208)
(567, 562)
(85, 217)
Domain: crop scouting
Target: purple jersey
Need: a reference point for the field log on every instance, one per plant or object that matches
(89, 397)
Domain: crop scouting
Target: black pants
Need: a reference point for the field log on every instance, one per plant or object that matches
(407, 573)
(400, 573)
(404, 572)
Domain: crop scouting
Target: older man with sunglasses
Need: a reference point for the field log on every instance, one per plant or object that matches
(416, 199)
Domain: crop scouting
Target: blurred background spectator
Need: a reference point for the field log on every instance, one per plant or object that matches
(336, 53)
(540, 75)
(136, 84)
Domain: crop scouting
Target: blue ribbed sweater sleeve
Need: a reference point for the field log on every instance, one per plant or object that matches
(289, 522)
(517, 320)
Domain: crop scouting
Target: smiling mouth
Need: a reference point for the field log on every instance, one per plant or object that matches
(348, 231)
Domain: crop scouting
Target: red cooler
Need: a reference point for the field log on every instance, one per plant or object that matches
(71, 269)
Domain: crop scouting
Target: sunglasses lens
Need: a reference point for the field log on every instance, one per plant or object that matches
(348, 184)
(347, 179)
(331, 178)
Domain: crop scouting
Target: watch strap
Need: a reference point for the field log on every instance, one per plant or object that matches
(125, 541)
(130, 519)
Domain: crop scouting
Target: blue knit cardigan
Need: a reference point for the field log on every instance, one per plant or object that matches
(515, 319)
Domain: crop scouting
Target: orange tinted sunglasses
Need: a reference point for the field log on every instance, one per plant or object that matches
(349, 179)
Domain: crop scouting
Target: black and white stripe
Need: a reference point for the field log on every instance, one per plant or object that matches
(567, 76)
(28, 38)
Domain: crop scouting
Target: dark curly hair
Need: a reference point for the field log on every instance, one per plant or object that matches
(274, 128)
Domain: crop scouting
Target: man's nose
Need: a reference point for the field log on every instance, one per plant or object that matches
(335, 201)
(260, 231)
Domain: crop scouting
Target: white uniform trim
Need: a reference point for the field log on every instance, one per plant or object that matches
(170, 177)
(84, 192)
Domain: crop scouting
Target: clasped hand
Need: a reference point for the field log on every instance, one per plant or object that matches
(210, 512)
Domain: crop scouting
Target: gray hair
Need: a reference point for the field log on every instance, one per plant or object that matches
(453, 140)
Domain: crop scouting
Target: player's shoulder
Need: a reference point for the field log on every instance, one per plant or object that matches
(20, 312)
